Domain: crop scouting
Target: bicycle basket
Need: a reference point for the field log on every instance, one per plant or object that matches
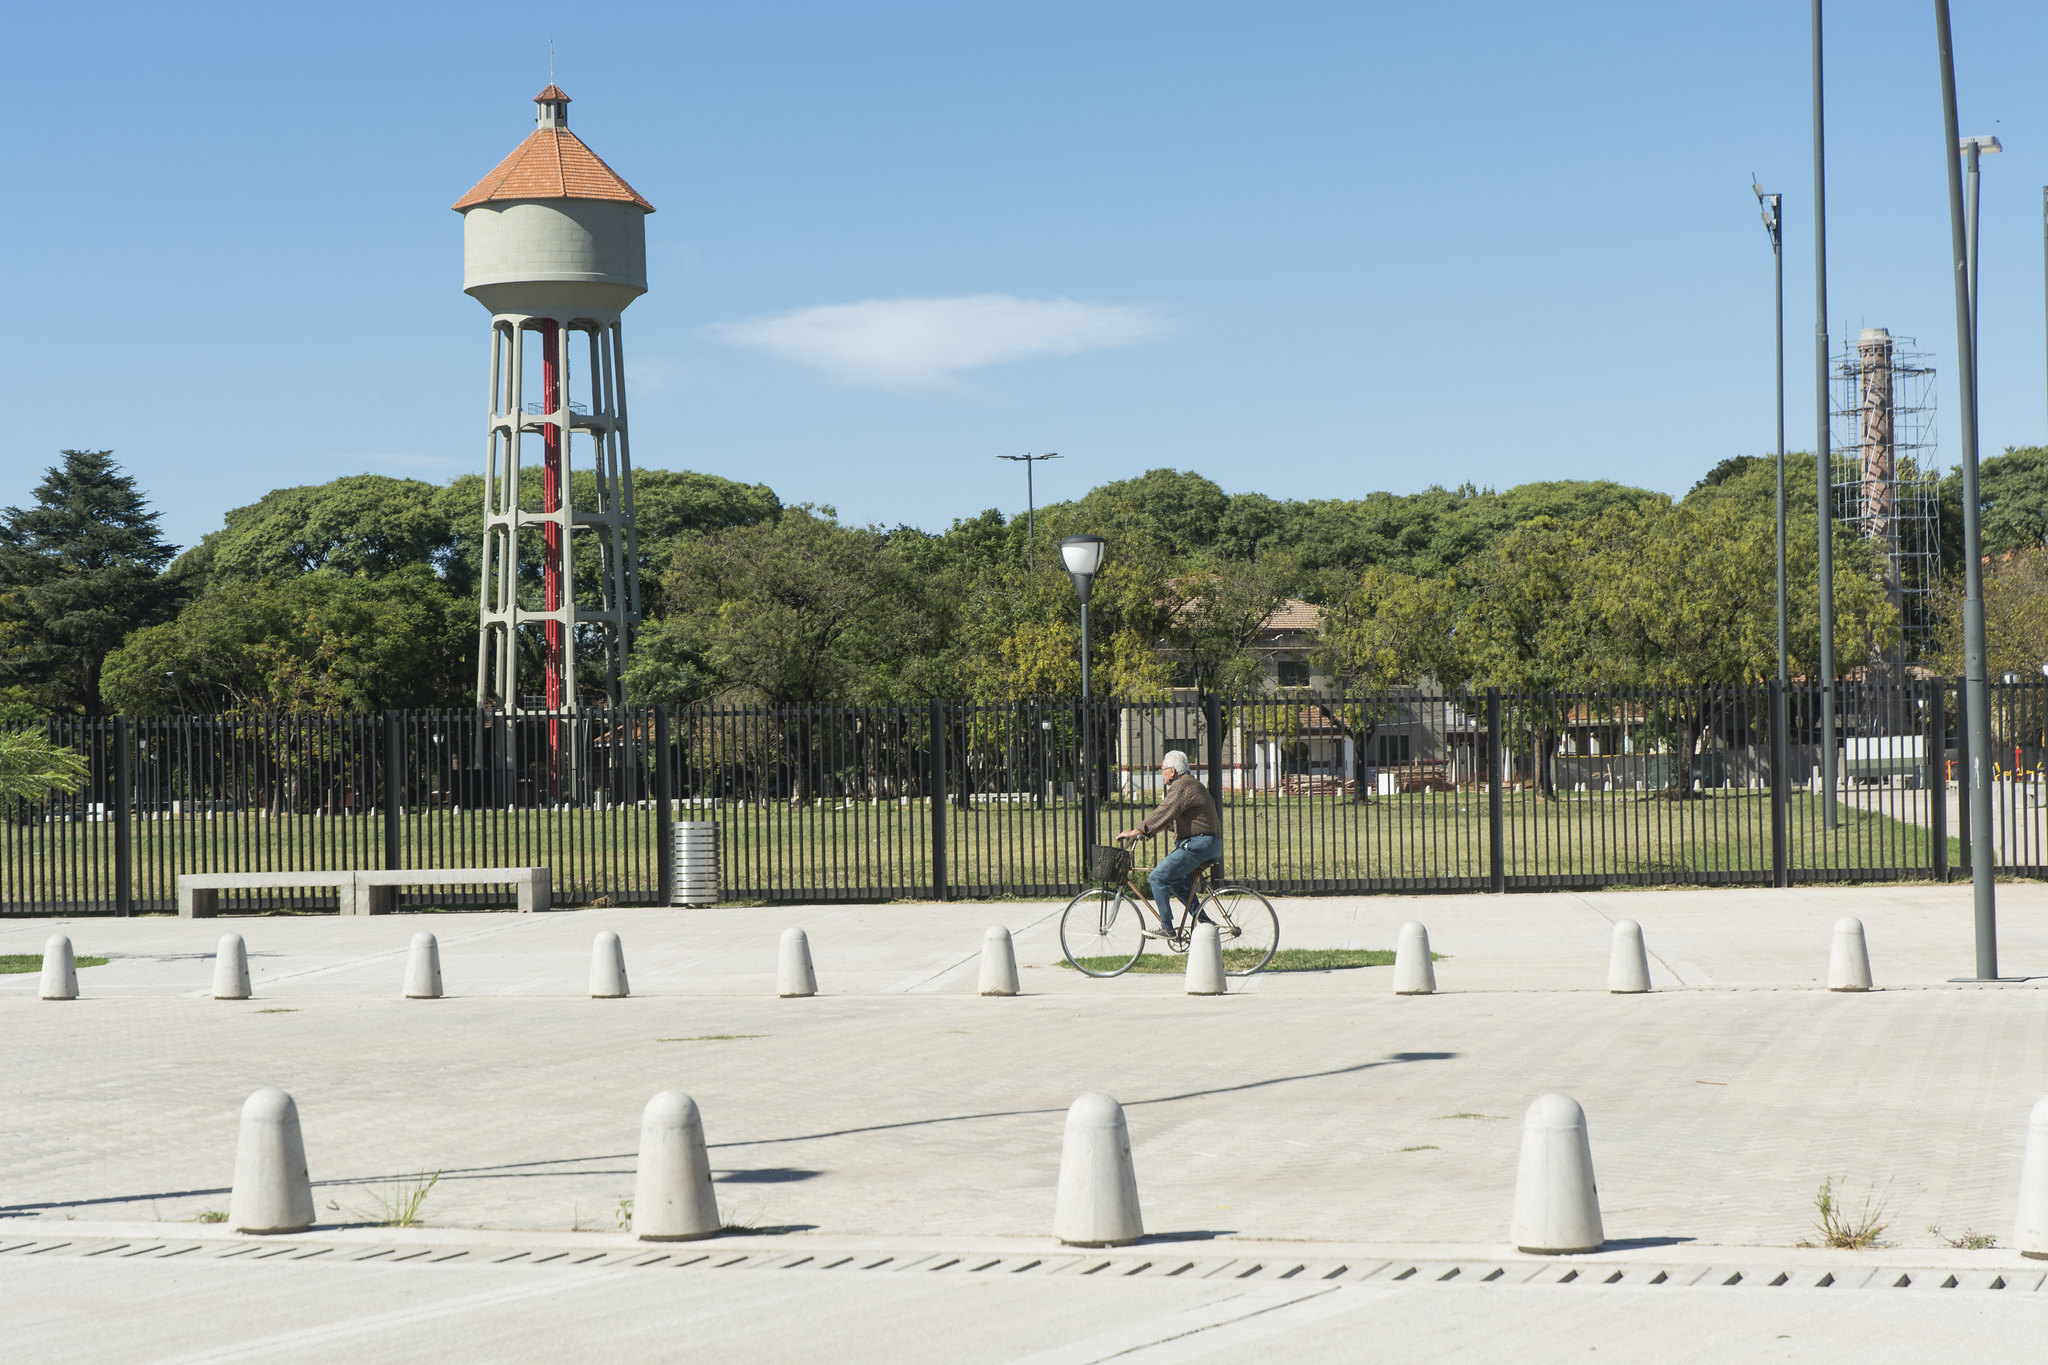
(1108, 863)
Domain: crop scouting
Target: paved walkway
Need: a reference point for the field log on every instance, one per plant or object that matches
(1314, 1111)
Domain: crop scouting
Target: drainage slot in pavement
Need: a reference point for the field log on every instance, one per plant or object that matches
(1903, 1282)
(1568, 1277)
(1615, 1278)
(886, 1259)
(1783, 1278)
(1171, 1273)
(808, 1259)
(844, 1259)
(1288, 1275)
(1411, 1269)
(1660, 1277)
(1105, 1265)
(1028, 1265)
(956, 1260)
(1246, 1275)
(1452, 1273)
(1141, 1269)
(1950, 1282)
(1736, 1278)
(1331, 1276)
(1497, 1272)
(986, 1264)
(1824, 1281)
(1997, 1281)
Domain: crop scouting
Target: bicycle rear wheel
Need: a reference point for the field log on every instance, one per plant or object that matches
(1247, 925)
(1102, 932)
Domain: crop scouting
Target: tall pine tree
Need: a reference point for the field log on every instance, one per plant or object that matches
(78, 571)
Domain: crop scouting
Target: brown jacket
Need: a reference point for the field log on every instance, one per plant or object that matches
(1186, 807)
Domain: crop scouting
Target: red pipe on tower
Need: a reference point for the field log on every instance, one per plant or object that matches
(551, 501)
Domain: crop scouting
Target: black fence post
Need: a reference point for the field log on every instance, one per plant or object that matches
(123, 812)
(938, 795)
(1781, 869)
(393, 795)
(1496, 831)
(1212, 718)
(664, 808)
(1962, 777)
(1936, 769)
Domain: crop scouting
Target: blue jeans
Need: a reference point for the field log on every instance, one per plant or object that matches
(1175, 875)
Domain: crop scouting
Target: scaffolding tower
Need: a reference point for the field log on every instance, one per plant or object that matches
(1884, 474)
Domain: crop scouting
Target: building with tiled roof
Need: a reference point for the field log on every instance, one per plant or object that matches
(552, 226)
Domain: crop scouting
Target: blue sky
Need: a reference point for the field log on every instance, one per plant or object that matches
(1310, 250)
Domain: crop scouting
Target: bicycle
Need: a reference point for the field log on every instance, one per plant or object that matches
(1102, 929)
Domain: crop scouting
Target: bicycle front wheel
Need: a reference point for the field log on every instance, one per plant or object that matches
(1247, 925)
(1102, 932)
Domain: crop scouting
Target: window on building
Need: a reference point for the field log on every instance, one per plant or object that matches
(1393, 749)
(1292, 672)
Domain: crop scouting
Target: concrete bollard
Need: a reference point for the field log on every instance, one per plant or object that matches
(1205, 962)
(60, 969)
(999, 963)
(231, 968)
(1098, 1191)
(672, 1196)
(1849, 961)
(608, 967)
(2030, 1229)
(1628, 961)
(793, 976)
(1557, 1203)
(423, 968)
(272, 1190)
(1414, 973)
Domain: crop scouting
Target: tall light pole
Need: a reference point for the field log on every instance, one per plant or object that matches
(1030, 506)
(1976, 691)
(1083, 558)
(1772, 205)
(1823, 458)
(1972, 148)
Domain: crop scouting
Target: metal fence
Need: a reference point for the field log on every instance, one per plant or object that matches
(1414, 792)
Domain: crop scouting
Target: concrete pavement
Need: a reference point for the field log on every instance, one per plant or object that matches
(1311, 1112)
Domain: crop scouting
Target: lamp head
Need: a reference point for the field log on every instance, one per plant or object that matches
(1083, 558)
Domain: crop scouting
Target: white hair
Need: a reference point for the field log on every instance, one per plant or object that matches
(1176, 760)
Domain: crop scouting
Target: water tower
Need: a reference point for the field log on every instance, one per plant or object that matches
(554, 244)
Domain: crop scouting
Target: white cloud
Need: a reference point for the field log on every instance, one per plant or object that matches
(913, 342)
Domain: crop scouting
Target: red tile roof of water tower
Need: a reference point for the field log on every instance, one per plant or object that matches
(552, 163)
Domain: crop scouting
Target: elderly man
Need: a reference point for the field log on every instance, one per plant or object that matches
(1198, 838)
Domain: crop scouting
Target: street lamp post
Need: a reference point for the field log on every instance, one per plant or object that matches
(1772, 206)
(1976, 690)
(1030, 506)
(1083, 558)
(1823, 459)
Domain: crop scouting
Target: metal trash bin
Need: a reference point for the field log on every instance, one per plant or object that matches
(696, 861)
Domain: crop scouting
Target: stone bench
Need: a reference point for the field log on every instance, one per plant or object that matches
(377, 892)
(199, 892)
(362, 891)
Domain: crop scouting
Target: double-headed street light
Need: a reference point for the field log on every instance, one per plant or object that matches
(1772, 206)
(1083, 558)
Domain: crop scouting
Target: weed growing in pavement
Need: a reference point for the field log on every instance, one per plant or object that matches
(1841, 1230)
(1421, 1147)
(401, 1207)
(1969, 1241)
(1469, 1115)
(712, 1038)
(625, 1210)
(284, 1011)
(212, 1216)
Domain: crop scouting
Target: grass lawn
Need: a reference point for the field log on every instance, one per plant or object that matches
(15, 963)
(882, 850)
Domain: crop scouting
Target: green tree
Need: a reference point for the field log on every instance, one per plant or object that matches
(798, 611)
(1217, 619)
(31, 768)
(2013, 491)
(321, 641)
(78, 571)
